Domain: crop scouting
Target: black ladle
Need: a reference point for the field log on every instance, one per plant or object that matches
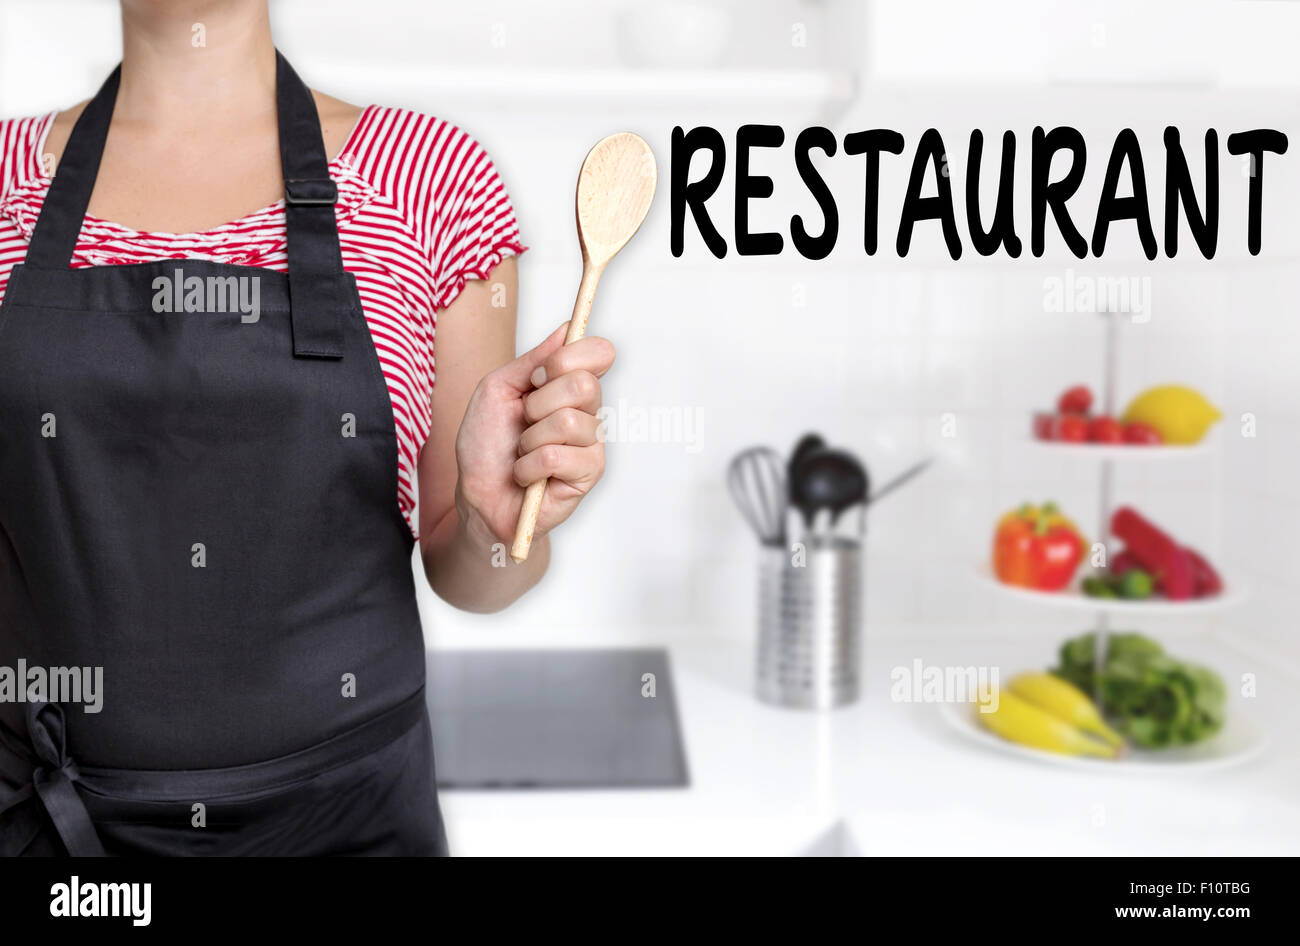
(808, 444)
(827, 479)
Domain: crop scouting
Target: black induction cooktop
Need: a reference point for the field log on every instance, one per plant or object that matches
(515, 719)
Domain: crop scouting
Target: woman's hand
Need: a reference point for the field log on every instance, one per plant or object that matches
(532, 419)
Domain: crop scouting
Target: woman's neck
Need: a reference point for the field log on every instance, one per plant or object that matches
(186, 62)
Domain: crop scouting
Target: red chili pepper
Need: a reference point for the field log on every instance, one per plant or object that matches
(1123, 561)
(1157, 551)
(1206, 579)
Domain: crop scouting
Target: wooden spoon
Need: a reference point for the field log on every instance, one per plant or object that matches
(615, 188)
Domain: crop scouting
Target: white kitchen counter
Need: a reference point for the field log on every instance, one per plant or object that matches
(882, 777)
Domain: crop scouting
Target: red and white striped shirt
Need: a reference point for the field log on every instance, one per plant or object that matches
(421, 211)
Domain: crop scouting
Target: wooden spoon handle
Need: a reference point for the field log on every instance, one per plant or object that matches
(535, 491)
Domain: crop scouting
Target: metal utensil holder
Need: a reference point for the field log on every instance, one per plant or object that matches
(810, 624)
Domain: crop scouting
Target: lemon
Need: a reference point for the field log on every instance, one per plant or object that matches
(1181, 414)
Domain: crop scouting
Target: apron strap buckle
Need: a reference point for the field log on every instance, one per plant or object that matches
(310, 192)
(316, 279)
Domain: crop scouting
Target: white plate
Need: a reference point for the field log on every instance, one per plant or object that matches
(1157, 606)
(1122, 451)
(1238, 741)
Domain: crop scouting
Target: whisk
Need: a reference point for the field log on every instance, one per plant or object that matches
(756, 479)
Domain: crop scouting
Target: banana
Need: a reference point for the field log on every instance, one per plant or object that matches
(1020, 721)
(1065, 701)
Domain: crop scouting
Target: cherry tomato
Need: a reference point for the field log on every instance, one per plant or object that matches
(1142, 434)
(1072, 428)
(1075, 400)
(1043, 424)
(1105, 429)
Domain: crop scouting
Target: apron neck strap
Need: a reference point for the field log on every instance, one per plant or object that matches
(55, 235)
(319, 292)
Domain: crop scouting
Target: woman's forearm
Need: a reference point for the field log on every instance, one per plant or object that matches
(499, 422)
(470, 568)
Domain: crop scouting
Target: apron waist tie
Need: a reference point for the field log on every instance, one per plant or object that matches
(54, 777)
(54, 774)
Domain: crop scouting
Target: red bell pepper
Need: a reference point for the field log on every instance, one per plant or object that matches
(1036, 547)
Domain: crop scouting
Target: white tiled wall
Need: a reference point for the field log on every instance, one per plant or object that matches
(660, 544)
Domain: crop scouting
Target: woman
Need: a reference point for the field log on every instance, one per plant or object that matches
(213, 428)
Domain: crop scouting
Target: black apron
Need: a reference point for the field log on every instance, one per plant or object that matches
(202, 500)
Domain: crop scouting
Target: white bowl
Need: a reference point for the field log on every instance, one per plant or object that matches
(1240, 740)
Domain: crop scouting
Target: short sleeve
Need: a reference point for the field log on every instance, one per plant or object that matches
(474, 224)
(20, 145)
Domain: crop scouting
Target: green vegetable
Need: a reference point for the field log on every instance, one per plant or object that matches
(1135, 583)
(1097, 587)
(1153, 699)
